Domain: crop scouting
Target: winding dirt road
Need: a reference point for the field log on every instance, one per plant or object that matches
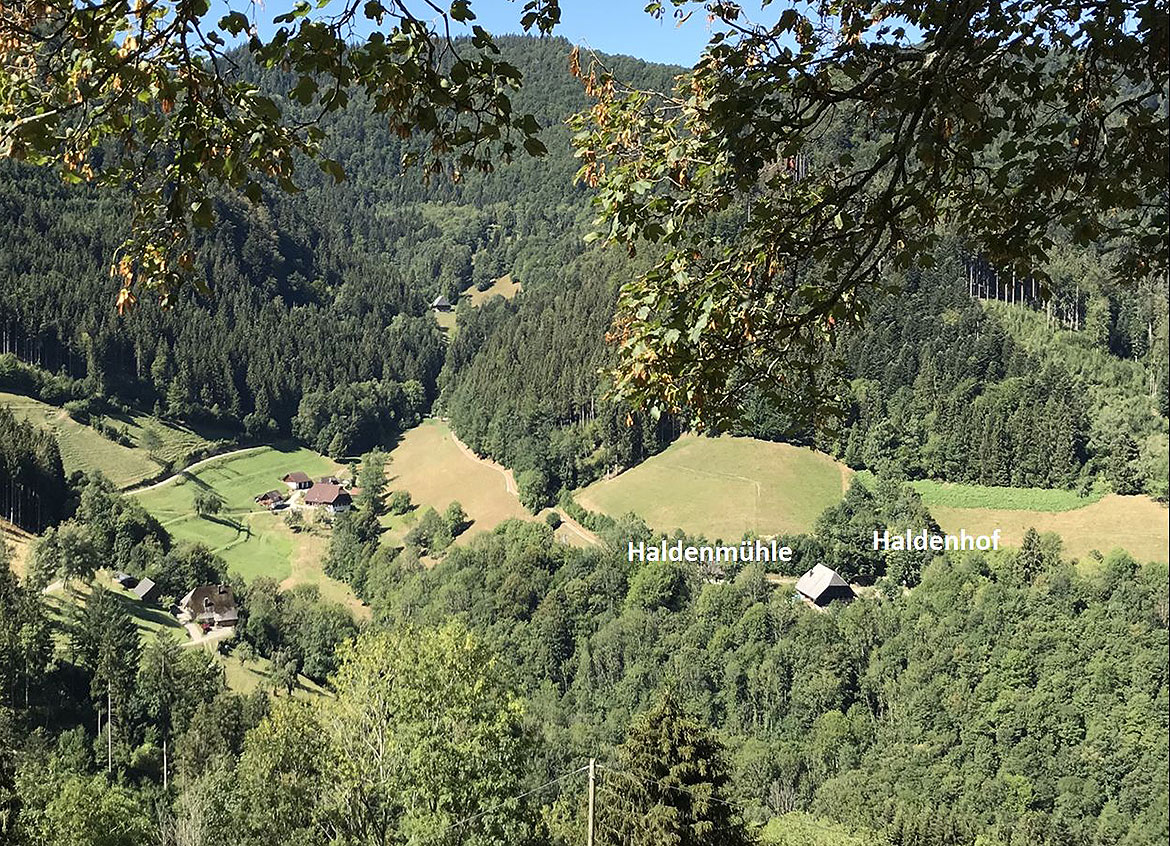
(191, 467)
(509, 479)
(510, 485)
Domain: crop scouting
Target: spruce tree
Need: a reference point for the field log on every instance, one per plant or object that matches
(669, 787)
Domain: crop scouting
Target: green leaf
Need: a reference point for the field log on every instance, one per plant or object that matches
(461, 11)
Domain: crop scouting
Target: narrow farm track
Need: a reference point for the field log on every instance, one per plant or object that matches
(195, 466)
(510, 485)
(579, 530)
(509, 479)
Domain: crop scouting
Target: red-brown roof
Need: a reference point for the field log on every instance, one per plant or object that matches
(326, 494)
(298, 476)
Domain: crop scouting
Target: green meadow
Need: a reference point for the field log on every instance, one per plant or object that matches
(253, 541)
(961, 495)
(723, 487)
(85, 448)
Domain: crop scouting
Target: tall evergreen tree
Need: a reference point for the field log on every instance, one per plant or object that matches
(670, 786)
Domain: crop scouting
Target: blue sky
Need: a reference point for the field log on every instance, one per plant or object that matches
(610, 26)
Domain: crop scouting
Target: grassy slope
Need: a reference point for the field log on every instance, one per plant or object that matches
(152, 621)
(254, 542)
(723, 487)
(1134, 523)
(247, 677)
(446, 321)
(961, 495)
(503, 287)
(84, 448)
(19, 543)
(430, 465)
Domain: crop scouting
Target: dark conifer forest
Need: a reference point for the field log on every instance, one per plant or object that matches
(33, 493)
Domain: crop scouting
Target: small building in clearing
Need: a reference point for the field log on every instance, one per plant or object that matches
(822, 585)
(297, 481)
(146, 590)
(214, 605)
(332, 497)
(441, 303)
(270, 498)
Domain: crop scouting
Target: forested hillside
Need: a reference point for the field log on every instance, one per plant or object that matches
(33, 493)
(283, 646)
(1035, 717)
(986, 736)
(946, 387)
(318, 311)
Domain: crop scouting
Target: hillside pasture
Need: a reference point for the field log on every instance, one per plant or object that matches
(255, 542)
(504, 287)
(446, 321)
(150, 620)
(1096, 521)
(85, 448)
(723, 487)
(962, 495)
(256, 674)
(19, 544)
(437, 470)
(1136, 524)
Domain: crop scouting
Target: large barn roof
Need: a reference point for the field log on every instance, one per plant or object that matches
(216, 600)
(821, 581)
(326, 494)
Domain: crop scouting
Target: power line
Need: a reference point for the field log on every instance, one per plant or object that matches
(460, 823)
(453, 827)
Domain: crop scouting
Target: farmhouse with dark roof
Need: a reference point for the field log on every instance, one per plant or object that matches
(822, 585)
(214, 605)
(333, 497)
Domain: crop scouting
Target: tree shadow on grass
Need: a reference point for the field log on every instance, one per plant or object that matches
(147, 614)
(229, 523)
(190, 478)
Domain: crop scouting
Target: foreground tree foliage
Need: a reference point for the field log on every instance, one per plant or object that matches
(795, 161)
(157, 90)
(670, 786)
(422, 743)
(803, 156)
(319, 327)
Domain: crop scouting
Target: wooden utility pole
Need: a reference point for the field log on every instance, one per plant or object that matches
(592, 791)
(109, 730)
